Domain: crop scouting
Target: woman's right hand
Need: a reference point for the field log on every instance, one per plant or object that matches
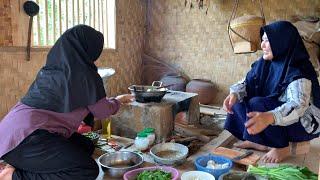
(125, 98)
(230, 100)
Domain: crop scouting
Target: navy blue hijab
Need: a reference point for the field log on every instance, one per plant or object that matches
(291, 62)
(69, 79)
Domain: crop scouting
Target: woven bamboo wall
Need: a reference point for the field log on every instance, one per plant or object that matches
(17, 74)
(5, 23)
(198, 44)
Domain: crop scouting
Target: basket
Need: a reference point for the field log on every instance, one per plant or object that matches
(201, 163)
(244, 31)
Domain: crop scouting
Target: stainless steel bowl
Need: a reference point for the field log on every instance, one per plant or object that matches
(118, 163)
(161, 153)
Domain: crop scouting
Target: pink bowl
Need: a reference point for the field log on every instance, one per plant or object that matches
(131, 175)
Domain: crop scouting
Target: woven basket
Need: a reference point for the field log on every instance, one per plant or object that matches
(245, 33)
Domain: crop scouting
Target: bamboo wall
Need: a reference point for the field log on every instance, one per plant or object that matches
(17, 74)
(5, 23)
(192, 41)
(198, 44)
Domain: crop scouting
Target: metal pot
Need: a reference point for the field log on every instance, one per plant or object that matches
(118, 163)
(151, 93)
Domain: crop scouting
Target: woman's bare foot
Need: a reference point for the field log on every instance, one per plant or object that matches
(251, 145)
(276, 155)
(6, 172)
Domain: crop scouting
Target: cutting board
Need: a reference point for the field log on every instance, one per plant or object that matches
(231, 153)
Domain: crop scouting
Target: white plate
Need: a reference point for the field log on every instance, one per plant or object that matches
(197, 175)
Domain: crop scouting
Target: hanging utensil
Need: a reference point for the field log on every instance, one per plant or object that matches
(32, 9)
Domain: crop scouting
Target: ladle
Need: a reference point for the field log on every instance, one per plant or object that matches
(32, 9)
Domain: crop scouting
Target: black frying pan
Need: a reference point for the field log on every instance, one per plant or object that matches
(146, 94)
(31, 8)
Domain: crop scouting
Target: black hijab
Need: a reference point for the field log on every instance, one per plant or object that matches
(291, 62)
(69, 79)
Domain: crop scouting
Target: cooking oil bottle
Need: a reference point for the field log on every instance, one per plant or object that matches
(106, 128)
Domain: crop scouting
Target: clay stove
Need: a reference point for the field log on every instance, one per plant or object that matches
(137, 116)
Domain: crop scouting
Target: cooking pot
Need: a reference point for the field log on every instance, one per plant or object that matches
(144, 94)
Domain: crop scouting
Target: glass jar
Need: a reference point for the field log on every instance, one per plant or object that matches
(141, 142)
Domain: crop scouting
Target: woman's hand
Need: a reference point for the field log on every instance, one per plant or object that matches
(125, 98)
(230, 100)
(258, 121)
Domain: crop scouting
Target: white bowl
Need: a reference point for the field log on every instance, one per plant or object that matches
(197, 175)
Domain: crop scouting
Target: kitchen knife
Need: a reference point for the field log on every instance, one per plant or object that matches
(244, 155)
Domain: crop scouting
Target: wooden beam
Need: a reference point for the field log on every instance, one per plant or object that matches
(67, 18)
(46, 21)
(38, 26)
(94, 13)
(106, 35)
(78, 10)
(102, 14)
(54, 20)
(59, 19)
(99, 23)
(89, 12)
(73, 15)
(83, 12)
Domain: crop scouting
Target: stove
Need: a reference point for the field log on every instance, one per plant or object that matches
(136, 116)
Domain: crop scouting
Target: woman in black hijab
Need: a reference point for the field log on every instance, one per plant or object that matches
(278, 102)
(38, 136)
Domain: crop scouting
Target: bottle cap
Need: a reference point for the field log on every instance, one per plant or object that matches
(142, 134)
(149, 130)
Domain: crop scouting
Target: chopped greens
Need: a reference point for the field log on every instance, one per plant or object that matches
(283, 172)
(91, 135)
(154, 175)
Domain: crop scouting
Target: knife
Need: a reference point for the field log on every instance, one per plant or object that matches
(244, 155)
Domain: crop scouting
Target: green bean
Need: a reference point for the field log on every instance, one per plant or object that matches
(283, 172)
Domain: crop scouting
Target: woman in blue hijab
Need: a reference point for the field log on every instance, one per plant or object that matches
(278, 102)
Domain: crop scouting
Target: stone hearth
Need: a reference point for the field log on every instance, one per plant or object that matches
(137, 116)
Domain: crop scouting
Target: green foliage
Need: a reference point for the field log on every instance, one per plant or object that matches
(284, 172)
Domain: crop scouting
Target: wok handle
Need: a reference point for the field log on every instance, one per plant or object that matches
(156, 82)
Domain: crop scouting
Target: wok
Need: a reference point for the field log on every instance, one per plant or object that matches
(151, 93)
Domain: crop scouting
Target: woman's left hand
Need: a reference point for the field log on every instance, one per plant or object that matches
(258, 121)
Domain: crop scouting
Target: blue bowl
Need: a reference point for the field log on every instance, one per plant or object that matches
(201, 163)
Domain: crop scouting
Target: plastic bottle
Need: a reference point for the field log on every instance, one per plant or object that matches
(141, 142)
(151, 135)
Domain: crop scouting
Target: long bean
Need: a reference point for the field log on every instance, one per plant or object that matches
(283, 172)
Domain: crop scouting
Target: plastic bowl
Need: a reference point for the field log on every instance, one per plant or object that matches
(132, 175)
(199, 175)
(201, 163)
